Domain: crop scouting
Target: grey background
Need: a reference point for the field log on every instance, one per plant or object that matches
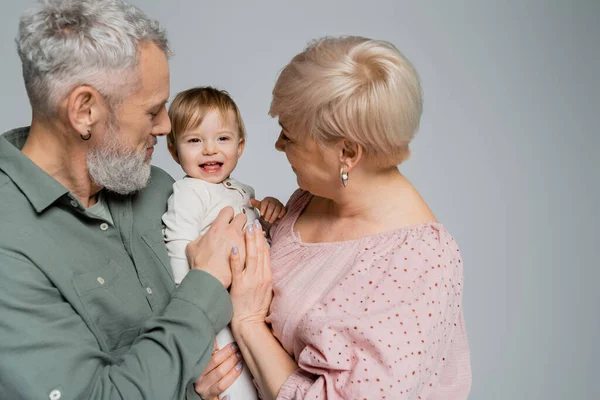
(506, 156)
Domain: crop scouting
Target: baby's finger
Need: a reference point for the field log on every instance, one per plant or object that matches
(282, 212)
(263, 207)
(255, 203)
(269, 213)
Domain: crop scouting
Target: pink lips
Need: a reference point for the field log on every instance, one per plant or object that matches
(211, 167)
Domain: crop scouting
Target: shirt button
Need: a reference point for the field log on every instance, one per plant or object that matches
(104, 226)
(149, 290)
(55, 395)
(244, 210)
(100, 280)
(228, 183)
(73, 203)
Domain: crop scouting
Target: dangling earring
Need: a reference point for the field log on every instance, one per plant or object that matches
(344, 177)
(88, 136)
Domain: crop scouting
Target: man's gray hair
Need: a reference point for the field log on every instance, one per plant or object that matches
(67, 43)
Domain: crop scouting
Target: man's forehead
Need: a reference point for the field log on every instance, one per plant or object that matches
(155, 73)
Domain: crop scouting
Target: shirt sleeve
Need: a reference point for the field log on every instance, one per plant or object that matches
(183, 222)
(48, 351)
(385, 328)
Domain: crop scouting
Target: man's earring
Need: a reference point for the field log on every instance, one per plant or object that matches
(344, 177)
(88, 136)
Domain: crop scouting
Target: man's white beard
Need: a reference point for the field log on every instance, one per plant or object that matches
(117, 168)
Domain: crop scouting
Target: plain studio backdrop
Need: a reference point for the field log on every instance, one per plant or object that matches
(506, 155)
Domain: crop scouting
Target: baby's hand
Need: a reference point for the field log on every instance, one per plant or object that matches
(270, 208)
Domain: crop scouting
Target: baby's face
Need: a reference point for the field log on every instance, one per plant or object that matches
(211, 151)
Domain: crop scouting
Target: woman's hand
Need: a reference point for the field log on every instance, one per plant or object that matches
(251, 288)
(211, 251)
(223, 369)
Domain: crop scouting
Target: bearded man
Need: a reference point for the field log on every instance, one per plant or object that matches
(88, 307)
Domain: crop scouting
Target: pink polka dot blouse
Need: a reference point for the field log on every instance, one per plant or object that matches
(374, 318)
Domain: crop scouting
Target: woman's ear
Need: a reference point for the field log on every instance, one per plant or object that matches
(350, 153)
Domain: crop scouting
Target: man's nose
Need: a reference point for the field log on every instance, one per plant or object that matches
(163, 127)
(280, 143)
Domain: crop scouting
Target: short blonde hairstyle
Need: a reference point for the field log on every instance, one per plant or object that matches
(189, 108)
(352, 88)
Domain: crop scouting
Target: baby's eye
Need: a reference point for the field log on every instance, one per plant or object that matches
(194, 140)
(223, 138)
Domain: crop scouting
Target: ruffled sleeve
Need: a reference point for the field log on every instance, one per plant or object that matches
(385, 328)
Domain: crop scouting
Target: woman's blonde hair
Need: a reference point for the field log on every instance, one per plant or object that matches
(189, 108)
(352, 88)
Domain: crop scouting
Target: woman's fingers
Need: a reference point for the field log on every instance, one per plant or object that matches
(219, 356)
(238, 222)
(223, 369)
(251, 252)
(259, 240)
(267, 265)
(230, 377)
(221, 372)
(235, 260)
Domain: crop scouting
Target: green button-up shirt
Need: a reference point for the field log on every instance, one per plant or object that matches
(88, 308)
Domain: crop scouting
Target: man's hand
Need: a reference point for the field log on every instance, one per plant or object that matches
(270, 208)
(211, 251)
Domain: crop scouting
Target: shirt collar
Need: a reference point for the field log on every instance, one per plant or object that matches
(41, 189)
(230, 183)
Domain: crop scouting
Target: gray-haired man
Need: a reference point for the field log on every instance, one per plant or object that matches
(88, 308)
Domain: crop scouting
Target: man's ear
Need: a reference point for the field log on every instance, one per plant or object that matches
(350, 153)
(85, 107)
(241, 146)
(173, 150)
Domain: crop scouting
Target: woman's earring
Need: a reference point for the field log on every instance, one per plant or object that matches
(88, 136)
(344, 177)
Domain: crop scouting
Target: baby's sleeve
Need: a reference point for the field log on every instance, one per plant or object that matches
(384, 330)
(185, 209)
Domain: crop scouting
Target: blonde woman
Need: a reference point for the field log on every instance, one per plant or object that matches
(367, 285)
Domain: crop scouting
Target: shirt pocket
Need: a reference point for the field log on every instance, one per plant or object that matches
(155, 240)
(115, 304)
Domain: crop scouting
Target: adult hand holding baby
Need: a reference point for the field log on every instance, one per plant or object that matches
(211, 251)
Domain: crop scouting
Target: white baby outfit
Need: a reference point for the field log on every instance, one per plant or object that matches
(192, 208)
